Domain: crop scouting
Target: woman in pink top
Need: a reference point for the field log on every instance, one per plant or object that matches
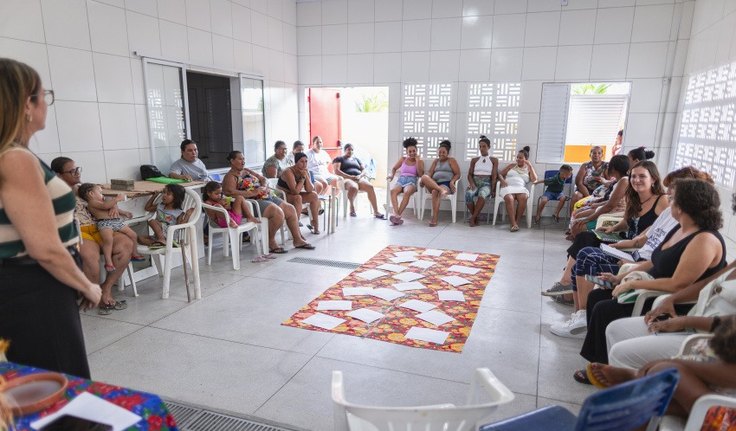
(410, 167)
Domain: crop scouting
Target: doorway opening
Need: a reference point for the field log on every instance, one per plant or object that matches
(210, 117)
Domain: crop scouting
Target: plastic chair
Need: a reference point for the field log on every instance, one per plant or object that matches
(355, 417)
(624, 407)
(498, 201)
(233, 236)
(452, 198)
(568, 190)
(186, 235)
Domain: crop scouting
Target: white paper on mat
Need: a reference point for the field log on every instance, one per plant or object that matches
(365, 314)
(371, 274)
(392, 267)
(405, 253)
(412, 285)
(323, 321)
(402, 259)
(408, 276)
(424, 264)
(356, 291)
(435, 317)
(334, 305)
(467, 256)
(451, 295)
(386, 294)
(94, 408)
(463, 269)
(432, 252)
(455, 280)
(429, 335)
(417, 305)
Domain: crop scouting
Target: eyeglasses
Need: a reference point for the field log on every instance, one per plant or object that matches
(75, 171)
(48, 97)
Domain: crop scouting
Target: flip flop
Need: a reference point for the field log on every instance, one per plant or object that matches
(306, 246)
(593, 379)
(380, 216)
(269, 256)
(259, 259)
(105, 309)
(514, 228)
(278, 250)
(581, 376)
(353, 214)
(120, 305)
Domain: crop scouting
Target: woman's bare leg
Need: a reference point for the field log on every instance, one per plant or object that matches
(521, 198)
(436, 200)
(367, 187)
(352, 189)
(509, 201)
(395, 199)
(275, 219)
(408, 192)
(106, 235)
(314, 204)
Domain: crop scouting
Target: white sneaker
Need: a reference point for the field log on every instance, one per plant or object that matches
(575, 327)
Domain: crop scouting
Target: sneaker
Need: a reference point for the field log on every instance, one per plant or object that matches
(575, 327)
(560, 299)
(558, 289)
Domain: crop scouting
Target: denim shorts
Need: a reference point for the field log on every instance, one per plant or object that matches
(552, 196)
(406, 181)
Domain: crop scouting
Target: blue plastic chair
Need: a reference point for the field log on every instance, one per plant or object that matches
(620, 408)
(568, 189)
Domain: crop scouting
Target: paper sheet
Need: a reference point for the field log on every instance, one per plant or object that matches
(334, 305)
(429, 335)
(392, 267)
(371, 274)
(424, 264)
(365, 314)
(356, 291)
(455, 280)
(402, 259)
(467, 256)
(435, 317)
(417, 305)
(405, 253)
(616, 253)
(432, 252)
(386, 294)
(412, 285)
(463, 269)
(323, 321)
(94, 408)
(408, 276)
(451, 295)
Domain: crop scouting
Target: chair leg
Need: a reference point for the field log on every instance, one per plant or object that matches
(130, 272)
(167, 277)
(235, 245)
(226, 240)
(453, 206)
(156, 258)
(194, 254)
(209, 247)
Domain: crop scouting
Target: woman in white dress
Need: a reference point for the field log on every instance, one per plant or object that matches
(514, 179)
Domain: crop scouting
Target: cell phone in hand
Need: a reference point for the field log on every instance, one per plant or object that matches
(74, 423)
(599, 281)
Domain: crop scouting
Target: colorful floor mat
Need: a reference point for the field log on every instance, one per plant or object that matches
(397, 321)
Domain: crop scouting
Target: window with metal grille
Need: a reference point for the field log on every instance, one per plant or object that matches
(493, 111)
(707, 135)
(426, 115)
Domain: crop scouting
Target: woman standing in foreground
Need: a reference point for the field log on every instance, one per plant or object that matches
(39, 262)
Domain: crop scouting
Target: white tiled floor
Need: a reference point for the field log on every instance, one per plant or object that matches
(229, 352)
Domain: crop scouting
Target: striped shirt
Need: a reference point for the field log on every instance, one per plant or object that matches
(63, 201)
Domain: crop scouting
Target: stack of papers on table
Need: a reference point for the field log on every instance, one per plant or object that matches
(94, 408)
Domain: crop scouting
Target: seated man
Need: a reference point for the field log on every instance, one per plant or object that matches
(275, 165)
(189, 167)
(90, 246)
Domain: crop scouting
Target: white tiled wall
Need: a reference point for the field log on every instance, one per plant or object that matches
(532, 41)
(83, 49)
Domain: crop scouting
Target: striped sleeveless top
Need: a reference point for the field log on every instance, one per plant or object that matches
(63, 202)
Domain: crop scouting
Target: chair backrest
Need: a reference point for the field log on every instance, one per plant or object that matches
(630, 405)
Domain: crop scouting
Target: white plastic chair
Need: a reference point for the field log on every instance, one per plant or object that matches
(186, 234)
(444, 417)
(452, 198)
(233, 236)
(498, 201)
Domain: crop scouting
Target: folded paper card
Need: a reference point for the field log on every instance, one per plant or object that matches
(323, 321)
(365, 314)
(417, 305)
(411, 285)
(455, 280)
(463, 269)
(93, 408)
(386, 294)
(371, 274)
(335, 305)
(451, 295)
(435, 317)
(408, 276)
(392, 267)
(429, 335)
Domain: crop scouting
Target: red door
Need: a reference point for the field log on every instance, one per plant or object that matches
(324, 118)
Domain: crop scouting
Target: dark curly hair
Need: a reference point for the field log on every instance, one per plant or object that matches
(483, 138)
(525, 152)
(84, 190)
(687, 172)
(57, 165)
(179, 194)
(619, 164)
(209, 188)
(700, 201)
(633, 200)
(723, 342)
(410, 142)
(446, 144)
(641, 154)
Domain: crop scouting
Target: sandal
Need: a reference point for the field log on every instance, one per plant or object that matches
(432, 224)
(278, 250)
(119, 305)
(593, 379)
(353, 214)
(314, 230)
(514, 228)
(259, 259)
(581, 376)
(269, 256)
(105, 309)
(556, 218)
(380, 216)
(305, 246)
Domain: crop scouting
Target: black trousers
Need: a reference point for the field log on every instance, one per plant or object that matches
(40, 317)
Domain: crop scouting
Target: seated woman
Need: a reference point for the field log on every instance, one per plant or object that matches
(410, 167)
(241, 181)
(639, 154)
(709, 369)
(352, 170)
(441, 177)
(645, 203)
(693, 251)
(514, 179)
(591, 175)
(91, 244)
(297, 186)
(482, 177)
